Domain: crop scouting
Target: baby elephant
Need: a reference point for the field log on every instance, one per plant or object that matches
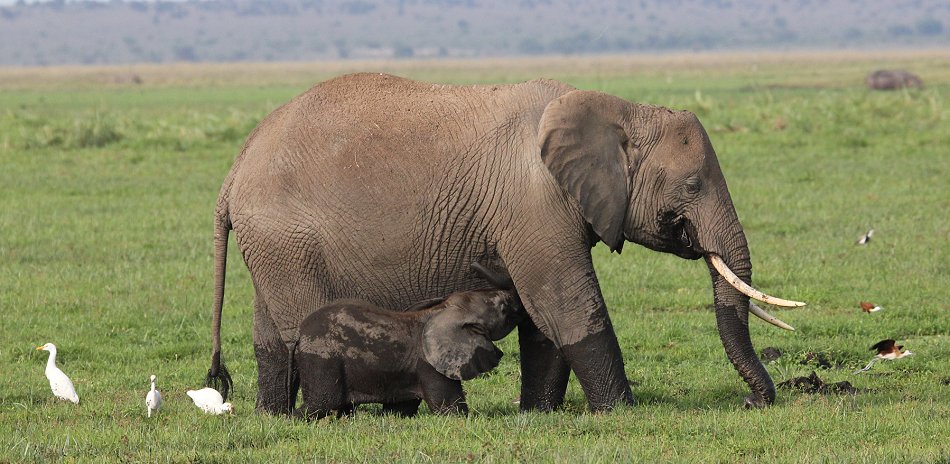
(350, 352)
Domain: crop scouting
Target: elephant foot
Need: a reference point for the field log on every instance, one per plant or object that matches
(598, 365)
(541, 398)
(307, 414)
(755, 402)
(454, 408)
(407, 408)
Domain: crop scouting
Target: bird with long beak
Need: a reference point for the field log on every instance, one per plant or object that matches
(153, 399)
(210, 401)
(886, 350)
(869, 307)
(58, 382)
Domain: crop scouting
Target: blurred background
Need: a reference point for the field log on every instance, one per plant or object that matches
(63, 32)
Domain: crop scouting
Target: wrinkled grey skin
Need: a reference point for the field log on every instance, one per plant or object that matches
(888, 79)
(350, 352)
(380, 188)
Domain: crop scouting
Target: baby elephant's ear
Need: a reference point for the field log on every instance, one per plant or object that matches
(455, 345)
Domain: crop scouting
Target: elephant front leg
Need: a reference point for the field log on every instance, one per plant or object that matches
(407, 408)
(442, 394)
(598, 364)
(544, 371)
(323, 386)
(273, 362)
(559, 290)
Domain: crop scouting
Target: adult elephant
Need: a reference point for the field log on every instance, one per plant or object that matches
(385, 189)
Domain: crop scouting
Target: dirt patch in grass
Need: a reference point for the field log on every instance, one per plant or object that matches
(814, 384)
(820, 360)
(770, 353)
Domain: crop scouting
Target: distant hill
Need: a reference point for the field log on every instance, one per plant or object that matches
(116, 32)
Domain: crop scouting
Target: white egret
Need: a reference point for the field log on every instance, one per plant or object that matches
(153, 400)
(210, 401)
(58, 382)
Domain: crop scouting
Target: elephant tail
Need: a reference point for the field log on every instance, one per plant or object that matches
(218, 376)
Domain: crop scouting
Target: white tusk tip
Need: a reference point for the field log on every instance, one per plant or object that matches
(762, 314)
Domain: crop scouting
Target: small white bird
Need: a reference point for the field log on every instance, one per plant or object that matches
(58, 382)
(210, 401)
(866, 237)
(153, 399)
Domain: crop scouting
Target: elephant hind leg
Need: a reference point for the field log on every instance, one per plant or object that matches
(276, 389)
(272, 393)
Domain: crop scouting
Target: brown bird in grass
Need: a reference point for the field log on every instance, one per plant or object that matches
(869, 307)
(886, 350)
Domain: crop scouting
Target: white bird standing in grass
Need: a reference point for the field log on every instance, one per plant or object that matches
(210, 401)
(153, 400)
(58, 382)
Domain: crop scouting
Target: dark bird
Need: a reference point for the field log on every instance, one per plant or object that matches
(869, 307)
(866, 237)
(886, 350)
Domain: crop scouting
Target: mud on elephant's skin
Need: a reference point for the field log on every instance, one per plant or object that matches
(351, 352)
(385, 189)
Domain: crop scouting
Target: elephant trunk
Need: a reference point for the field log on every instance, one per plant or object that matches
(732, 320)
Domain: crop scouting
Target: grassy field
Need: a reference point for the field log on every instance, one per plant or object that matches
(107, 189)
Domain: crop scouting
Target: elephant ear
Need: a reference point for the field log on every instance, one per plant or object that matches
(583, 143)
(457, 346)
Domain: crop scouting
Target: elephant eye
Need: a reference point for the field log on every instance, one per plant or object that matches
(693, 185)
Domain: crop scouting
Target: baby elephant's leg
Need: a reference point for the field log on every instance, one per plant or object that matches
(407, 408)
(345, 410)
(321, 382)
(442, 394)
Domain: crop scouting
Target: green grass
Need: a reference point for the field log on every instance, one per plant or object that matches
(106, 200)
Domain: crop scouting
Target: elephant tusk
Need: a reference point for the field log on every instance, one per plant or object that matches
(745, 288)
(761, 314)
